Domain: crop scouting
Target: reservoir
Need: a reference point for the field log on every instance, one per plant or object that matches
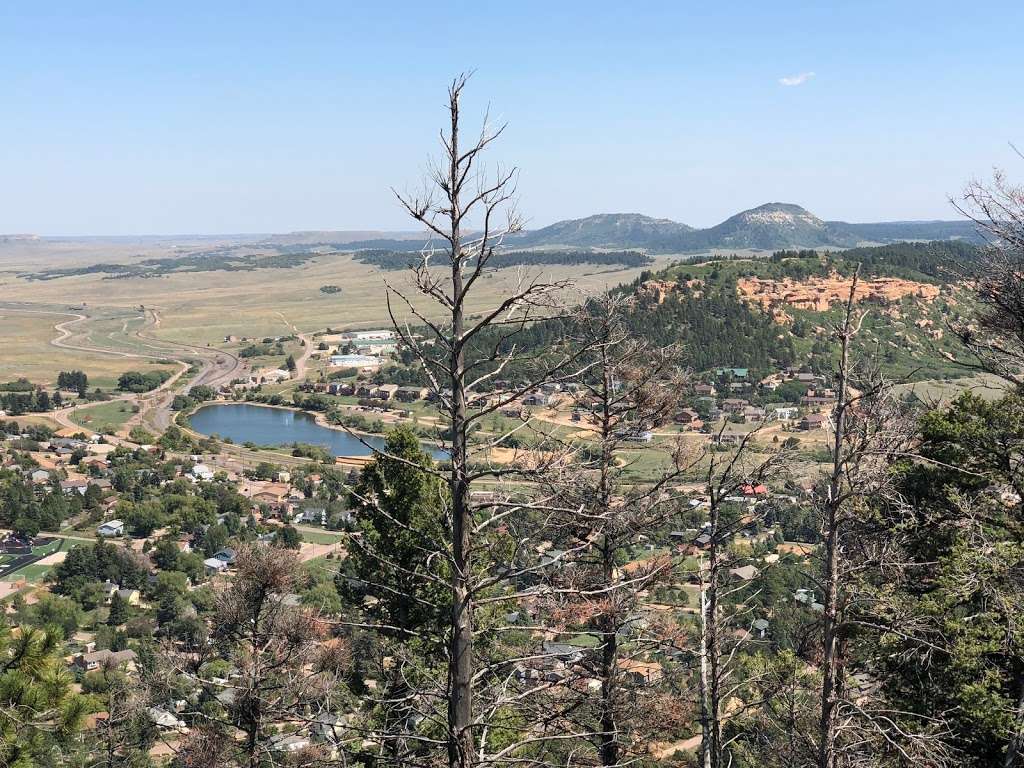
(280, 426)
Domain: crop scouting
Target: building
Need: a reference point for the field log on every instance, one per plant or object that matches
(813, 421)
(70, 487)
(384, 392)
(202, 472)
(362, 362)
(744, 572)
(734, 405)
(752, 415)
(410, 394)
(376, 335)
(214, 565)
(111, 528)
(104, 658)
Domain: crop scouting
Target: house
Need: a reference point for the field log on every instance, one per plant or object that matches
(104, 658)
(754, 490)
(313, 514)
(69, 487)
(734, 405)
(688, 417)
(226, 555)
(410, 394)
(214, 565)
(782, 412)
(40, 476)
(760, 628)
(384, 392)
(744, 572)
(111, 528)
(752, 415)
(540, 398)
(365, 390)
(813, 421)
(705, 390)
(130, 596)
(165, 720)
(383, 334)
(202, 472)
(640, 436)
(641, 672)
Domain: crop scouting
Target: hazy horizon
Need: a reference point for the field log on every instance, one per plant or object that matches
(132, 120)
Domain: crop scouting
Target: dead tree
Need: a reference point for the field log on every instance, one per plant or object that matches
(725, 479)
(631, 389)
(466, 348)
(870, 432)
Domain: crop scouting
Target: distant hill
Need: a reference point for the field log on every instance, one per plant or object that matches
(767, 227)
(607, 230)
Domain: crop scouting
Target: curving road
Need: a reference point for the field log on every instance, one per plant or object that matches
(216, 367)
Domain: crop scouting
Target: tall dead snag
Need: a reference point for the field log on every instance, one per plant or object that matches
(859, 512)
(467, 357)
(724, 624)
(630, 389)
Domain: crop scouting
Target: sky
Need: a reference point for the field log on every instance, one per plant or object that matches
(230, 117)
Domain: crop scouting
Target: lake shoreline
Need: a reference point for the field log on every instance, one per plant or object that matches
(318, 418)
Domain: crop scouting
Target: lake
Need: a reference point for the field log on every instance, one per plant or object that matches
(281, 426)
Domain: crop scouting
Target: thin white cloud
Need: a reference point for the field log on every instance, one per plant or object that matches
(800, 79)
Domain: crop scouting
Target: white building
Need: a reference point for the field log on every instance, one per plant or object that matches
(111, 528)
(202, 472)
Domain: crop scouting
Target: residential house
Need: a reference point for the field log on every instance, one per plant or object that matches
(384, 392)
(813, 421)
(105, 658)
(410, 394)
(744, 572)
(734, 405)
(70, 487)
(752, 415)
(111, 528)
(202, 472)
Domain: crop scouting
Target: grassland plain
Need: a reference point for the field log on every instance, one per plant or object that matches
(199, 308)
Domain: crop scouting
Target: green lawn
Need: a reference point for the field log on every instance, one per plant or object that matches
(320, 537)
(33, 573)
(104, 417)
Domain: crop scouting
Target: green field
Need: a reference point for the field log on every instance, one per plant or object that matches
(320, 537)
(33, 573)
(104, 417)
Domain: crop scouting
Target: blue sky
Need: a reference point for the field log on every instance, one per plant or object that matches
(131, 117)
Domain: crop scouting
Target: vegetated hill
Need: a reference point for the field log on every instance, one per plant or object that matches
(607, 230)
(340, 237)
(768, 227)
(892, 231)
(773, 225)
(391, 259)
(908, 335)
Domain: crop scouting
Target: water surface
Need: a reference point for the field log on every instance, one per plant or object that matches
(245, 423)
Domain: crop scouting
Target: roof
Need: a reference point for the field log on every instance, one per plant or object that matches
(745, 572)
(109, 657)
